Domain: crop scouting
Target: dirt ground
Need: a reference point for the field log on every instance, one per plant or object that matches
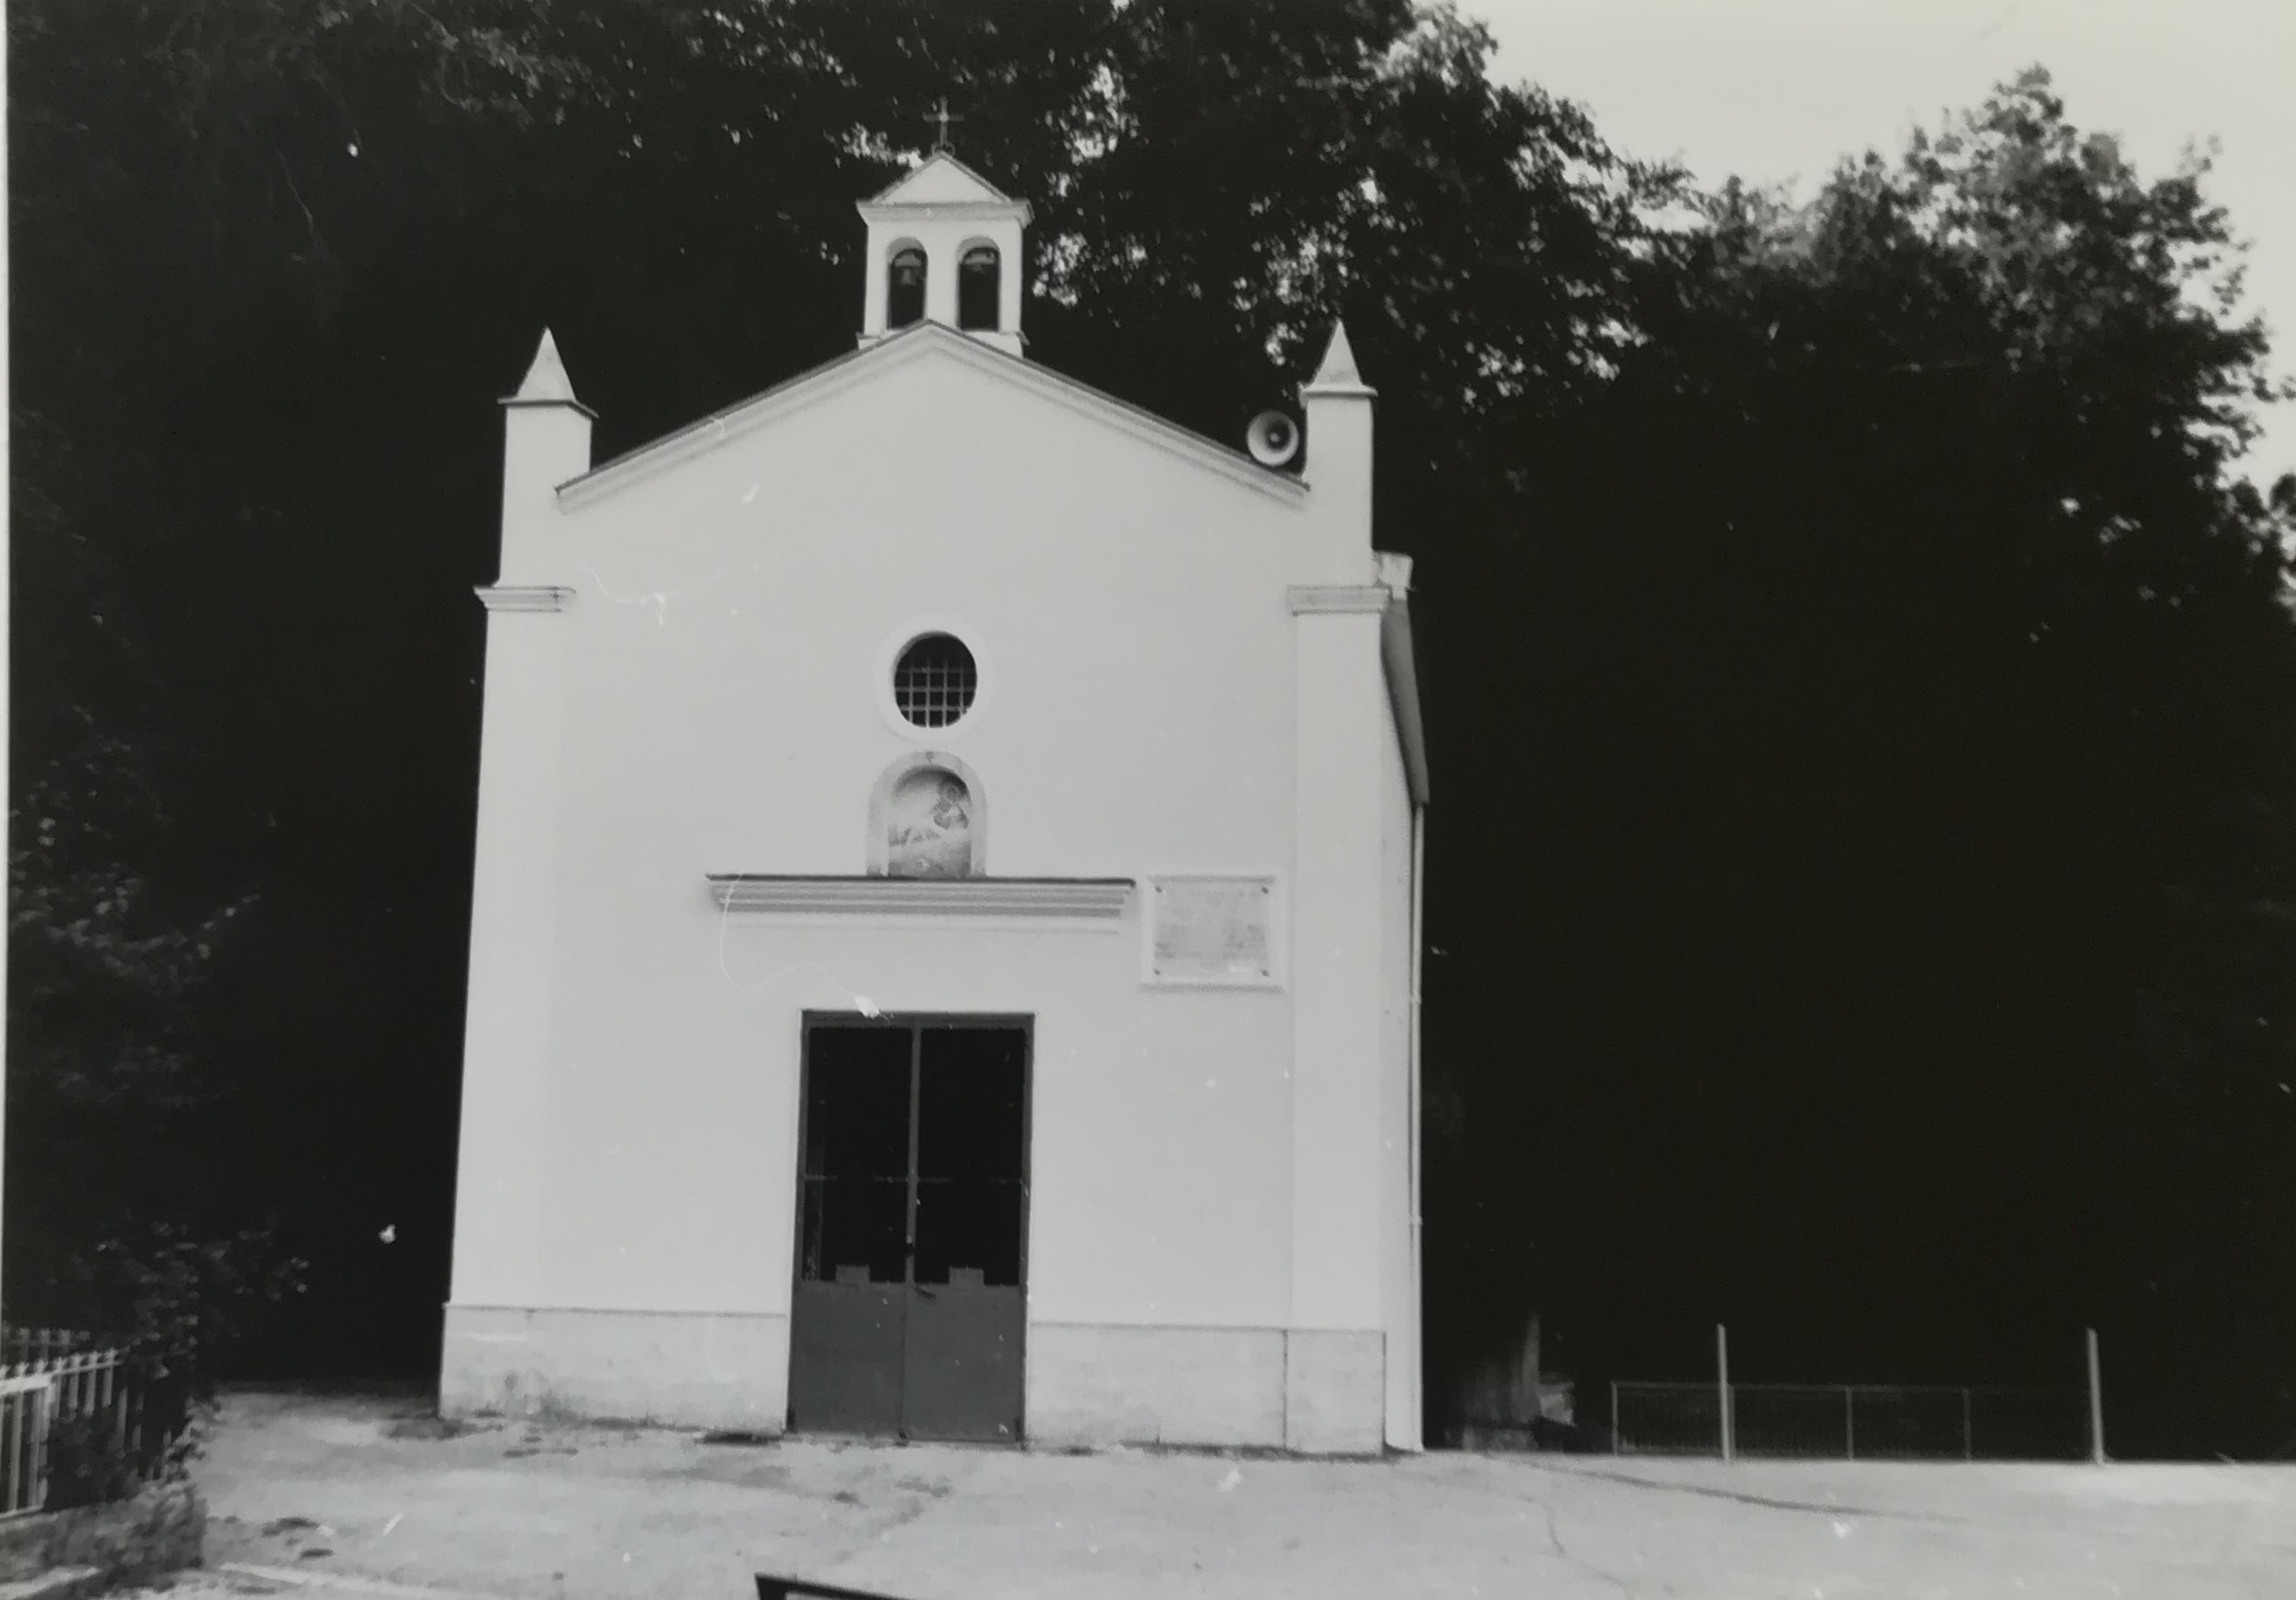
(345, 1490)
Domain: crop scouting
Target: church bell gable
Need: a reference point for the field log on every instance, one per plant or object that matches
(944, 246)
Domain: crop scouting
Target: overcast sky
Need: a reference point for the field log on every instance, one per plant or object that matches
(1780, 89)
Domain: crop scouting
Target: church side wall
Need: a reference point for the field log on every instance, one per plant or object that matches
(730, 625)
(1398, 1288)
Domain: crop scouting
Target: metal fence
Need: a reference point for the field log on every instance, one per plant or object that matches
(1850, 1421)
(53, 1379)
(25, 1407)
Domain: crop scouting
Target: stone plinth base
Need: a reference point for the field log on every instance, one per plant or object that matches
(669, 1368)
(1312, 1391)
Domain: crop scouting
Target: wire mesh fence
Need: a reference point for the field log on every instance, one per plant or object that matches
(1850, 1421)
(1665, 1419)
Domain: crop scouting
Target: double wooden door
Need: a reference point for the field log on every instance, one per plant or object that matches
(909, 1311)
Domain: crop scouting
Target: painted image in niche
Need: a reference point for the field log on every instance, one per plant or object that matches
(929, 827)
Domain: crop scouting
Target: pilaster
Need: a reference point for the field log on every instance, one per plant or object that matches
(1337, 1390)
(502, 1177)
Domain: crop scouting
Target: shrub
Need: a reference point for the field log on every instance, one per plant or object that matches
(89, 1464)
(174, 1303)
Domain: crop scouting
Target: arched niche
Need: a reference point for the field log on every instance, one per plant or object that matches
(980, 287)
(927, 819)
(904, 274)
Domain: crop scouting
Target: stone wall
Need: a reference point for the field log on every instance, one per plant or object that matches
(162, 1529)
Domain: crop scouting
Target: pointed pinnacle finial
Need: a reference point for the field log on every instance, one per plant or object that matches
(547, 379)
(1337, 372)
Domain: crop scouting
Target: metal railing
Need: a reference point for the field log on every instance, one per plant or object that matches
(26, 1406)
(1849, 1421)
(56, 1377)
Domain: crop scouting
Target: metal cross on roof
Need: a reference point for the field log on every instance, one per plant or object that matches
(942, 114)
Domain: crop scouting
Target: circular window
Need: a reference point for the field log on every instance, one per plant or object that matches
(934, 681)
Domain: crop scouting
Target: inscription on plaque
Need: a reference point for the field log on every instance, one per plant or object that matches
(1212, 930)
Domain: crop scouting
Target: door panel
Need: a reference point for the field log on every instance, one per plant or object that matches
(972, 1143)
(857, 1156)
(845, 1358)
(846, 1316)
(961, 1378)
(966, 1322)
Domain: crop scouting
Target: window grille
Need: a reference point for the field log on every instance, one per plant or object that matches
(934, 681)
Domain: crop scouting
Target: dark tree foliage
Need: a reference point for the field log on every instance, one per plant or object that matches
(1919, 703)
(1861, 705)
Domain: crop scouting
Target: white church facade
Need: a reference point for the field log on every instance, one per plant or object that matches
(944, 942)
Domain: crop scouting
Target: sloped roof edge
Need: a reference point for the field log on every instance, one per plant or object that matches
(884, 196)
(1399, 654)
(641, 460)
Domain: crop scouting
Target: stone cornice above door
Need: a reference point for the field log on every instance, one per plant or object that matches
(1079, 899)
(1341, 599)
(524, 596)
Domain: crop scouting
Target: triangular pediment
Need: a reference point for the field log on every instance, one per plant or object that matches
(942, 180)
(928, 341)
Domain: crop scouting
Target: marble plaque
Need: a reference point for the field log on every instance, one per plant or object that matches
(1212, 930)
